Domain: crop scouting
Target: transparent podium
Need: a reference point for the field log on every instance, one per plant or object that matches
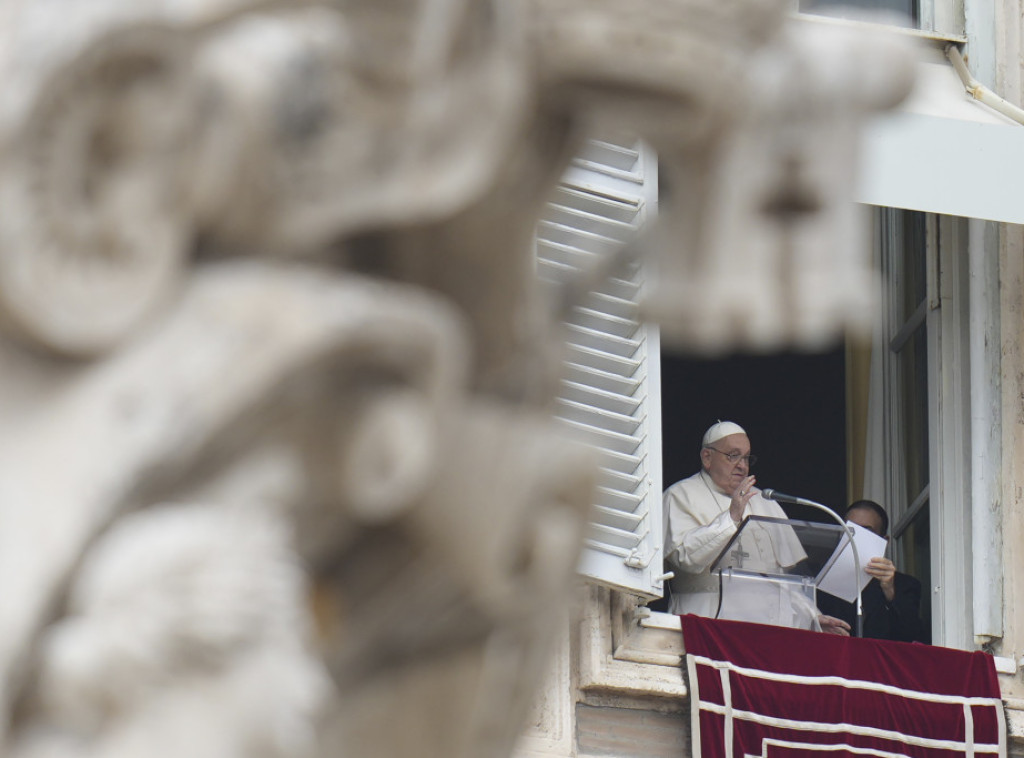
(770, 570)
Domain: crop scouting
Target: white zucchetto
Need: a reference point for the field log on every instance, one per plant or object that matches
(721, 429)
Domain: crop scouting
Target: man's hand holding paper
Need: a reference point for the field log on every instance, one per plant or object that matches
(840, 579)
(885, 572)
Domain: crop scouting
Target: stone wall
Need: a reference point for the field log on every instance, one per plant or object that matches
(629, 733)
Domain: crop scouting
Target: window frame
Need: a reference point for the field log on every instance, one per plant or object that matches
(947, 490)
(952, 562)
(940, 18)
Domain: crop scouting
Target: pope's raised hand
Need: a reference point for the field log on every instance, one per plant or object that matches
(740, 497)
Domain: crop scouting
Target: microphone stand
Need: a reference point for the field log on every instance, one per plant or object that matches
(770, 494)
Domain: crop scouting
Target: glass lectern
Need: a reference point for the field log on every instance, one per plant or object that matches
(770, 570)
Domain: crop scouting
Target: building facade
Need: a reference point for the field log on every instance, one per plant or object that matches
(935, 398)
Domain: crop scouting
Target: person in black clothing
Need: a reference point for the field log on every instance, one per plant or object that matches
(891, 600)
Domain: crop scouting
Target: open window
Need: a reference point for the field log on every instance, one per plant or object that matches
(918, 426)
(907, 441)
(898, 473)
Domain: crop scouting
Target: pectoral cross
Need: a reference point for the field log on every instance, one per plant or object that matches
(738, 555)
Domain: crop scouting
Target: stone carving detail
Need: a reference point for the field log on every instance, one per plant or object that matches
(174, 612)
(93, 233)
(776, 243)
(277, 469)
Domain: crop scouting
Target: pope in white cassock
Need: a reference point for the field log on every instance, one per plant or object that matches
(703, 512)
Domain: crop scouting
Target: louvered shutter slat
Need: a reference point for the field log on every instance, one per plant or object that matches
(578, 239)
(610, 391)
(622, 520)
(605, 342)
(622, 502)
(601, 418)
(627, 405)
(609, 156)
(609, 478)
(619, 538)
(597, 205)
(602, 380)
(599, 543)
(613, 364)
(566, 258)
(605, 323)
(627, 467)
(605, 438)
(618, 288)
(590, 223)
(622, 303)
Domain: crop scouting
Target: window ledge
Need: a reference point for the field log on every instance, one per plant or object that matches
(620, 657)
(657, 620)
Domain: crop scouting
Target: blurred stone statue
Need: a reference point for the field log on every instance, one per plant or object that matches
(278, 475)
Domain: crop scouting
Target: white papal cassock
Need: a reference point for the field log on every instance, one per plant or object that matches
(698, 526)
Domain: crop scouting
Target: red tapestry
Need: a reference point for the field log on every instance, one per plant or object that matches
(787, 693)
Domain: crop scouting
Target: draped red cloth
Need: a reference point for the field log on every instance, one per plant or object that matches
(787, 693)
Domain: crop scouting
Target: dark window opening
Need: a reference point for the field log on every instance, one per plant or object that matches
(793, 406)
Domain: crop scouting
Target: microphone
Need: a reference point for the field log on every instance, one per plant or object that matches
(782, 497)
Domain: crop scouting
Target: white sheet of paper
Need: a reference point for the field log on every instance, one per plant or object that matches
(839, 579)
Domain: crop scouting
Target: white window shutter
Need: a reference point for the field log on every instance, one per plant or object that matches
(611, 390)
